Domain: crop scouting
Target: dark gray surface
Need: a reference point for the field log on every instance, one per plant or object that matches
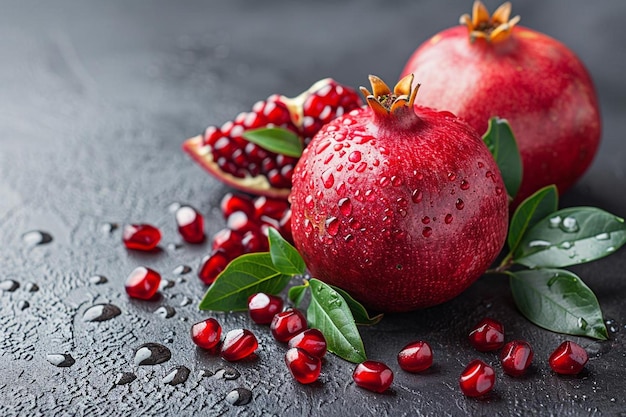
(96, 98)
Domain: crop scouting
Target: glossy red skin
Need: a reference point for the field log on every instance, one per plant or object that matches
(373, 376)
(415, 357)
(238, 344)
(568, 359)
(530, 79)
(487, 335)
(389, 252)
(287, 324)
(263, 307)
(312, 341)
(304, 367)
(143, 237)
(477, 379)
(206, 333)
(142, 283)
(516, 357)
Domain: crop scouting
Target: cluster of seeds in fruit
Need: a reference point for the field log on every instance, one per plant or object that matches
(247, 220)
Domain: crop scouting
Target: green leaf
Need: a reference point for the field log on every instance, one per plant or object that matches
(501, 142)
(244, 276)
(571, 236)
(536, 207)
(558, 300)
(276, 139)
(329, 313)
(360, 314)
(285, 257)
(296, 294)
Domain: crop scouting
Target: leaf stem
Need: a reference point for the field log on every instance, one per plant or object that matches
(506, 263)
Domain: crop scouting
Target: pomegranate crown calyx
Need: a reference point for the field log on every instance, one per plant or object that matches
(494, 28)
(383, 101)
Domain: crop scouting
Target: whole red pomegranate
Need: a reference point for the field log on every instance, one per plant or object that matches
(400, 205)
(489, 66)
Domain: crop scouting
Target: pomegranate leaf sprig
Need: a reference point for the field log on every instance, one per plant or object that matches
(330, 309)
(544, 240)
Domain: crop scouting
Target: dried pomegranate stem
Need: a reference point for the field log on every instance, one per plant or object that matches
(494, 28)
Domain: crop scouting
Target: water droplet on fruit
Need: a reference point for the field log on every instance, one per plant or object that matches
(355, 156)
(582, 323)
(322, 147)
(361, 167)
(427, 232)
(337, 147)
(341, 189)
(97, 279)
(464, 185)
(327, 178)
(451, 176)
(554, 222)
(332, 226)
(345, 206)
(481, 165)
(359, 196)
(569, 225)
(354, 223)
(396, 181)
(416, 196)
(62, 360)
(538, 243)
(425, 219)
(9, 285)
(123, 378)
(383, 150)
(309, 202)
(499, 191)
(384, 181)
(177, 375)
(239, 396)
(101, 312)
(603, 236)
(348, 238)
(308, 227)
(165, 312)
(448, 219)
(151, 354)
(459, 204)
(36, 237)
(369, 194)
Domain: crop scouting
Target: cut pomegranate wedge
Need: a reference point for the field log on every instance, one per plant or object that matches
(225, 153)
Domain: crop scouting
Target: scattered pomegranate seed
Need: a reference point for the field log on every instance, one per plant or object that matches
(263, 307)
(190, 224)
(228, 241)
(415, 357)
(253, 241)
(141, 236)
(287, 324)
(311, 341)
(142, 283)
(373, 376)
(488, 335)
(477, 379)
(516, 357)
(304, 367)
(236, 202)
(238, 344)
(211, 266)
(568, 359)
(206, 333)
(241, 222)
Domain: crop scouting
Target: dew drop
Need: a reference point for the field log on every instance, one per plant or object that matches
(569, 225)
(451, 176)
(396, 181)
(464, 185)
(348, 238)
(165, 284)
(361, 167)
(9, 285)
(416, 196)
(582, 323)
(341, 189)
(97, 279)
(603, 236)
(481, 165)
(427, 232)
(499, 191)
(448, 219)
(23, 305)
(101, 312)
(538, 243)
(384, 181)
(239, 396)
(345, 206)
(308, 227)
(36, 237)
(552, 280)
(124, 378)
(109, 227)
(369, 194)
(566, 245)
(322, 147)
(177, 375)
(383, 150)
(228, 373)
(182, 270)
(354, 223)
(165, 312)
(152, 354)
(359, 196)
(31, 287)
(327, 178)
(338, 146)
(459, 204)
(355, 156)
(554, 222)
(62, 360)
(611, 325)
(425, 219)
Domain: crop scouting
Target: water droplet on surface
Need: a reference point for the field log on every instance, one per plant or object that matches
(228, 373)
(425, 219)
(327, 178)
(9, 285)
(181, 270)
(172, 208)
(416, 196)
(23, 305)
(205, 373)
(97, 279)
(448, 219)
(355, 156)
(538, 243)
(427, 232)
(165, 312)
(101, 312)
(31, 287)
(610, 249)
(569, 225)
(62, 360)
(185, 301)
(177, 375)
(332, 226)
(464, 185)
(566, 245)
(239, 396)
(109, 227)
(151, 354)
(123, 378)
(165, 284)
(603, 236)
(554, 222)
(582, 323)
(36, 237)
(459, 204)
(552, 280)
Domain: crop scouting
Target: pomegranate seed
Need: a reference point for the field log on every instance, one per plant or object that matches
(142, 283)
(568, 359)
(240, 222)
(415, 357)
(190, 224)
(488, 335)
(254, 241)
(373, 376)
(229, 242)
(238, 344)
(477, 379)
(287, 324)
(206, 333)
(236, 202)
(516, 357)
(263, 307)
(270, 207)
(304, 367)
(211, 266)
(312, 341)
(285, 226)
(141, 236)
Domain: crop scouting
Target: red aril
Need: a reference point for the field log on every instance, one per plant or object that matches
(516, 357)
(373, 376)
(144, 237)
(477, 379)
(211, 266)
(238, 344)
(415, 357)
(263, 307)
(287, 324)
(142, 283)
(491, 66)
(311, 340)
(568, 359)
(229, 242)
(487, 335)
(206, 333)
(190, 224)
(304, 367)
(366, 184)
(231, 203)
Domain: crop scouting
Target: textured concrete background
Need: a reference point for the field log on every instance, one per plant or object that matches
(95, 101)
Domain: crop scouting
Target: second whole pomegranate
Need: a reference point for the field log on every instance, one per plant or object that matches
(400, 205)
